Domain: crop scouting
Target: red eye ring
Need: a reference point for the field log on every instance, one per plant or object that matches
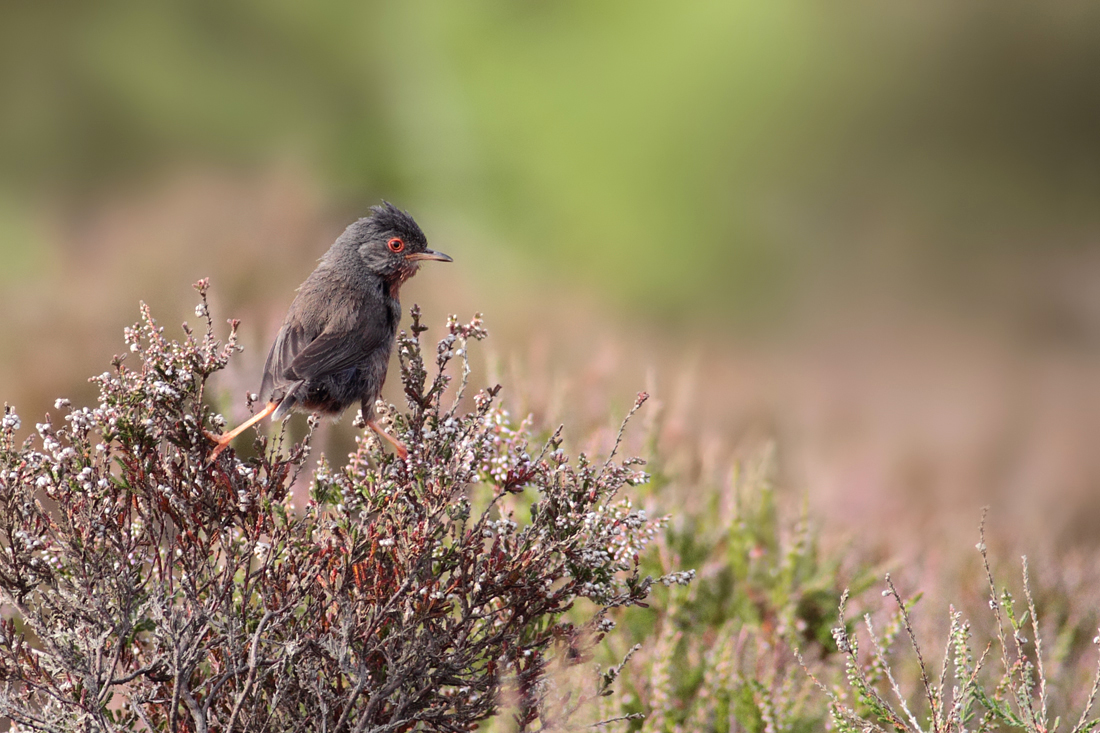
(396, 244)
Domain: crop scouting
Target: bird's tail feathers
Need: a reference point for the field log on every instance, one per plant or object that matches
(287, 402)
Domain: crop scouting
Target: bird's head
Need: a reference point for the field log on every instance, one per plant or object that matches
(391, 243)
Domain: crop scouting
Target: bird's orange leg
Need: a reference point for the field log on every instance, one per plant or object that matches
(398, 446)
(224, 439)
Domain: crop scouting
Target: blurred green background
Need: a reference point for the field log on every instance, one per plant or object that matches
(671, 155)
(904, 195)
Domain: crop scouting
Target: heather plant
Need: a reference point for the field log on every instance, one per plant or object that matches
(717, 655)
(965, 694)
(149, 588)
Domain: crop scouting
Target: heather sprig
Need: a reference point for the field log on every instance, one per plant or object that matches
(966, 695)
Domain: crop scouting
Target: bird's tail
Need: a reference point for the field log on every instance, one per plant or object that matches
(286, 404)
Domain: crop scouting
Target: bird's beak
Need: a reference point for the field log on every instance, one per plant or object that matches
(428, 254)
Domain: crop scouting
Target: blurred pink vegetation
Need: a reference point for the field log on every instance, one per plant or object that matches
(883, 419)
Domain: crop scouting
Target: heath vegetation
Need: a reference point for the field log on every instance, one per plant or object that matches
(496, 579)
(153, 589)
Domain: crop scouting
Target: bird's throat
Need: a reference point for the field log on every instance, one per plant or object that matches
(394, 282)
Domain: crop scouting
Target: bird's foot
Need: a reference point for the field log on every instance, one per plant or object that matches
(221, 443)
(402, 451)
(398, 446)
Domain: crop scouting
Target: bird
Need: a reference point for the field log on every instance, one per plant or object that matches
(334, 346)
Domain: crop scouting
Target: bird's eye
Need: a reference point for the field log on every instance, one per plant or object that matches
(396, 244)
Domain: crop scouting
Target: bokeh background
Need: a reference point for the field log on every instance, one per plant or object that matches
(865, 231)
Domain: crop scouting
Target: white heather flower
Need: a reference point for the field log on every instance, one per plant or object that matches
(679, 578)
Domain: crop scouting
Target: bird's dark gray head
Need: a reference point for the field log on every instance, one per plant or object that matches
(390, 243)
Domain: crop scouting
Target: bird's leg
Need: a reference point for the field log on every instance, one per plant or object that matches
(398, 446)
(224, 439)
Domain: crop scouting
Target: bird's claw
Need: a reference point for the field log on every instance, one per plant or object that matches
(224, 439)
(222, 442)
(398, 446)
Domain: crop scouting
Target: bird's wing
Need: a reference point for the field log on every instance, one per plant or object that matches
(292, 339)
(333, 352)
(314, 349)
